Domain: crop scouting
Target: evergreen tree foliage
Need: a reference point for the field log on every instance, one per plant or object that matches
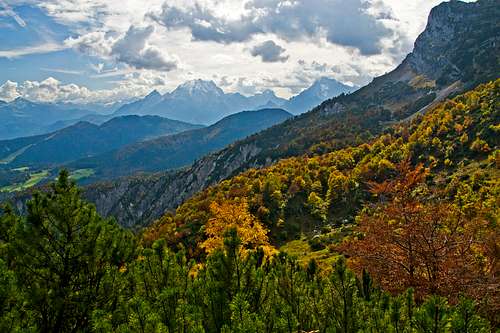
(66, 259)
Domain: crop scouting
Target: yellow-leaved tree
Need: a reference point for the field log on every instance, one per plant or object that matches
(227, 216)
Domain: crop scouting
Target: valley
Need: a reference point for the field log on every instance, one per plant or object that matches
(105, 134)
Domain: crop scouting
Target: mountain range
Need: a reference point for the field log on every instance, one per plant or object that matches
(178, 150)
(85, 139)
(200, 101)
(196, 102)
(23, 118)
(440, 65)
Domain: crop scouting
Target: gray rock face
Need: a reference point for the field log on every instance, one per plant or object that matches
(333, 108)
(457, 37)
(137, 201)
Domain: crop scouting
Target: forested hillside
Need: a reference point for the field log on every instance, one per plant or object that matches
(438, 173)
(85, 139)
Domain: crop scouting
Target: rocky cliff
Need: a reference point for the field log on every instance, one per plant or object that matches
(461, 42)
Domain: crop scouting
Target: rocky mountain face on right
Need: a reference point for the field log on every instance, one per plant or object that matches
(460, 43)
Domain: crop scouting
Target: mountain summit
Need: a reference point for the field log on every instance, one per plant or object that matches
(197, 88)
(153, 96)
(460, 43)
(322, 89)
(196, 101)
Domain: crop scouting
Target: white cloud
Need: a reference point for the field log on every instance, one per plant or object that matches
(133, 41)
(347, 23)
(108, 15)
(93, 43)
(97, 68)
(62, 71)
(5, 10)
(131, 48)
(8, 91)
(37, 49)
(52, 90)
(134, 50)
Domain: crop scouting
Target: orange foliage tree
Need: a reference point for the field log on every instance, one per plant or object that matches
(412, 239)
(236, 216)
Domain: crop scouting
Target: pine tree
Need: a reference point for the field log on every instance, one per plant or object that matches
(67, 258)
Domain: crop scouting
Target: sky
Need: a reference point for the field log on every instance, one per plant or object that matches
(102, 51)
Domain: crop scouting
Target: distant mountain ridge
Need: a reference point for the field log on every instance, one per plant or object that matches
(178, 150)
(85, 139)
(200, 101)
(196, 101)
(22, 117)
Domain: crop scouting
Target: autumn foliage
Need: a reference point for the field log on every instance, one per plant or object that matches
(414, 239)
(424, 196)
(226, 216)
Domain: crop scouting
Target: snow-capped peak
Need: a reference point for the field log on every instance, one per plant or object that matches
(324, 87)
(197, 87)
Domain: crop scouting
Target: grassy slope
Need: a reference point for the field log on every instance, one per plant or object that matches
(34, 179)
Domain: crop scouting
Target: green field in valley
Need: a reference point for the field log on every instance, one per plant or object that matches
(37, 177)
(81, 174)
(34, 179)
